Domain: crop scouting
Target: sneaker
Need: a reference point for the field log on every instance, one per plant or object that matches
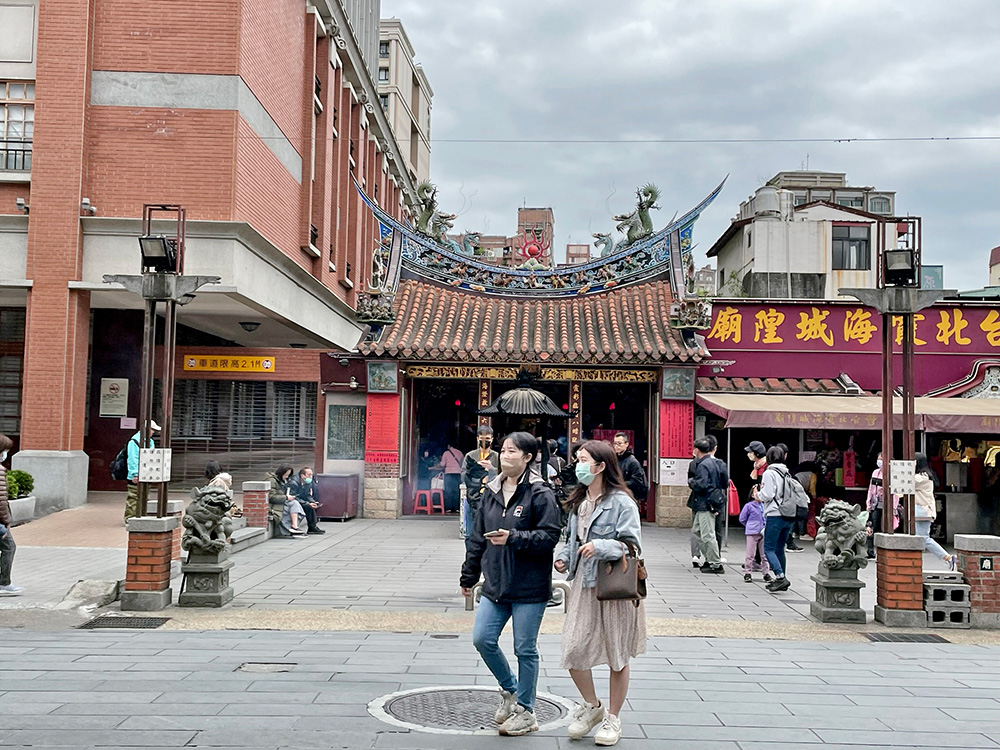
(712, 569)
(696, 562)
(520, 722)
(793, 547)
(11, 590)
(768, 578)
(779, 584)
(747, 578)
(297, 532)
(585, 718)
(508, 701)
(317, 530)
(610, 731)
(723, 561)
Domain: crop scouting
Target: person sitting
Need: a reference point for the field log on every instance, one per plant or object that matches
(285, 510)
(218, 478)
(304, 490)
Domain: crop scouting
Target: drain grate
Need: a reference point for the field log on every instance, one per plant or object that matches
(264, 667)
(905, 638)
(458, 710)
(117, 621)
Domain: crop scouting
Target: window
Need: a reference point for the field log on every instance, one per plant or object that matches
(383, 75)
(17, 124)
(383, 49)
(852, 201)
(384, 101)
(851, 248)
(800, 199)
(879, 204)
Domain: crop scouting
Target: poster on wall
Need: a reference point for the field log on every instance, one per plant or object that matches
(383, 377)
(114, 397)
(678, 383)
(345, 432)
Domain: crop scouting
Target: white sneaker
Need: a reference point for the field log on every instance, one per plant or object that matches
(508, 702)
(11, 590)
(610, 731)
(585, 718)
(520, 722)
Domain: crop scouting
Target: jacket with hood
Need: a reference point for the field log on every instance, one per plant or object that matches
(614, 518)
(520, 570)
(771, 487)
(635, 477)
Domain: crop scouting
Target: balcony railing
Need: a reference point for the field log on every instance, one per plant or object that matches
(15, 155)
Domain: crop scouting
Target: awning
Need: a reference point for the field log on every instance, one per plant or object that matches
(850, 412)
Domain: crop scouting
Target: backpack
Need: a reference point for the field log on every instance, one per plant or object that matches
(119, 464)
(791, 496)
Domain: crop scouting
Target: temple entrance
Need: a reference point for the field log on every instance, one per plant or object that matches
(612, 407)
(557, 429)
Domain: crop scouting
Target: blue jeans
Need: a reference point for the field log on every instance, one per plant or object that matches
(924, 530)
(490, 621)
(775, 538)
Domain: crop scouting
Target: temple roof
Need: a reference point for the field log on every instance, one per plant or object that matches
(630, 325)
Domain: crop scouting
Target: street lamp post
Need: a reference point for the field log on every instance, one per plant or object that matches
(897, 296)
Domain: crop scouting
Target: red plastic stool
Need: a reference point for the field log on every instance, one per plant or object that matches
(429, 502)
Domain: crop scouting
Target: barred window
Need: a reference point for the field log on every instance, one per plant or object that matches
(17, 124)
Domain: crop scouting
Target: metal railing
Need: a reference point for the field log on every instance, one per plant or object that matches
(15, 154)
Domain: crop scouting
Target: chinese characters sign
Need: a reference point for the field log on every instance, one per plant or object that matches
(825, 327)
(228, 364)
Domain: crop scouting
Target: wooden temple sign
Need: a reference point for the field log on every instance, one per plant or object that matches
(485, 392)
(576, 421)
(460, 372)
(594, 375)
(600, 375)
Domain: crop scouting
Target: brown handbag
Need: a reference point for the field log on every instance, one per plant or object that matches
(623, 579)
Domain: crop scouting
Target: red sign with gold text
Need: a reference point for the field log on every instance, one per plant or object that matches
(382, 423)
(676, 429)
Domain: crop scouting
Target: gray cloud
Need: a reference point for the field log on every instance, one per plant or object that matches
(662, 69)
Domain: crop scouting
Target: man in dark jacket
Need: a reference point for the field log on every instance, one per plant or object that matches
(635, 477)
(481, 464)
(304, 490)
(709, 482)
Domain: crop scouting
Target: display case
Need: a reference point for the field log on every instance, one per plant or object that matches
(337, 495)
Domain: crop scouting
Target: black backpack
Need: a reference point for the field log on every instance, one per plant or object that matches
(119, 464)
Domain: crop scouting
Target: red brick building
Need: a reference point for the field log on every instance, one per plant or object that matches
(261, 118)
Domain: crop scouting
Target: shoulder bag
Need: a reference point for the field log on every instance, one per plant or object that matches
(623, 579)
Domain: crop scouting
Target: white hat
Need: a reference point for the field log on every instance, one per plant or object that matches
(154, 426)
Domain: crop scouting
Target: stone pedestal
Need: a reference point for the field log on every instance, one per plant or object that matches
(900, 580)
(978, 557)
(60, 477)
(255, 505)
(838, 596)
(206, 580)
(147, 570)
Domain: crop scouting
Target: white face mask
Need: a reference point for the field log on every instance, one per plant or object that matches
(879, 463)
(3, 456)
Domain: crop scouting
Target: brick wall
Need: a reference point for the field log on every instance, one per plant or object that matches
(900, 579)
(255, 505)
(176, 36)
(978, 557)
(148, 563)
(10, 192)
(290, 365)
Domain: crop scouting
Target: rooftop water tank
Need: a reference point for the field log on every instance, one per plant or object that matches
(766, 203)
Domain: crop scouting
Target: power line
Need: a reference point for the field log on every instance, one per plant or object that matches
(897, 139)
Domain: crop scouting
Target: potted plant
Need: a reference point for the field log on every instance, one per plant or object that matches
(22, 503)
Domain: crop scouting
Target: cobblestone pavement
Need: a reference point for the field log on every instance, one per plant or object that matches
(163, 689)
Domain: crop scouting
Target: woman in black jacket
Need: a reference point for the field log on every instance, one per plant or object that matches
(511, 546)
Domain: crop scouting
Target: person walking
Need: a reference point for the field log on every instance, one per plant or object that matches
(720, 517)
(709, 483)
(303, 489)
(635, 477)
(875, 505)
(752, 518)
(773, 490)
(925, 508)
(132, 509)
(801, 514)
(603, 516)
(7, 546)
(481, 465)
(511, 547)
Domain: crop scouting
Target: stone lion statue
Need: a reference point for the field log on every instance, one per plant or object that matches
(207, 523)
(841, 539)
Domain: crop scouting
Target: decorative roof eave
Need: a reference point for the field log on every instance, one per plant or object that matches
(643, 260)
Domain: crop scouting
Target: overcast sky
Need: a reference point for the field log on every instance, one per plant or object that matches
(662, 69)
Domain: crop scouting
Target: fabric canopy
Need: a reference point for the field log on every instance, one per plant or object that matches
(850, 412)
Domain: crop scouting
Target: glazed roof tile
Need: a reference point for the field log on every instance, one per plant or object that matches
(822, 386)
(628, 325)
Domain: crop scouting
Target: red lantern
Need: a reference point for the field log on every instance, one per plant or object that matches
(612, 407)
(458, 402)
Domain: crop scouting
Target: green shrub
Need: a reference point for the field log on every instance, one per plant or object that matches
(19, 484)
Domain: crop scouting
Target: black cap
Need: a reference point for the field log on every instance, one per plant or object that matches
(757, 448)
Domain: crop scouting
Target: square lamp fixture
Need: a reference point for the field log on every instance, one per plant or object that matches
(900, 268)
(159, 254)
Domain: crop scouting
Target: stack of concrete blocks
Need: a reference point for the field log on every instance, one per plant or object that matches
(946, 600)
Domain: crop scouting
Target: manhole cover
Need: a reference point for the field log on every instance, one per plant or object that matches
(116, 621)
(459, 710)
(264, 667)
(905, 638)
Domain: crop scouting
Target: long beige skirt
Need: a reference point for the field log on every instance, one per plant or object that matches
(598, 632)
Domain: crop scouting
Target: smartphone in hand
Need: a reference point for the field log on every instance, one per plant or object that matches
(498, 532)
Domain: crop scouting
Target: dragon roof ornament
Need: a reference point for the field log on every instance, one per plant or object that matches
(426, 252)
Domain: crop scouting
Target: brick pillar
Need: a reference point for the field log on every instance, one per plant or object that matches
(255, 505)
(900, 574)
(175, 509)
(147, 573)
(978, 557)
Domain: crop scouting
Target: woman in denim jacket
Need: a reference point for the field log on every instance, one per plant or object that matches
(603, 515)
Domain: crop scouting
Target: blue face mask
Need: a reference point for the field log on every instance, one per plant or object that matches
(583, 474)
(3, 456)
(307, 480)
